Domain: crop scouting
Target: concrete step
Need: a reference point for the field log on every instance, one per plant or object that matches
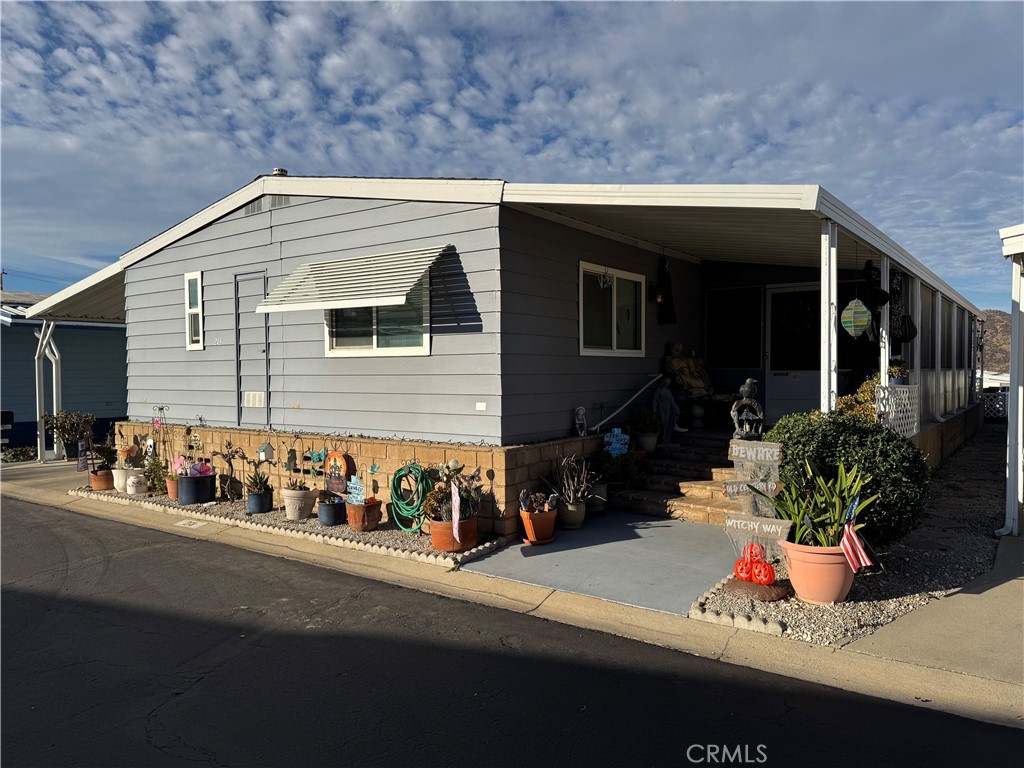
(703, 489)
(707, 511)
(723, 473)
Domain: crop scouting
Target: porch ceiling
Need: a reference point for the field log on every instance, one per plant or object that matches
(759, 236)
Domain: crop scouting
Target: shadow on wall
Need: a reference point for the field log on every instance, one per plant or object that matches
(452, 306)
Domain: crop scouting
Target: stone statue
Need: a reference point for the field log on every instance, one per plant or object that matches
(747, 414)
(667, 410)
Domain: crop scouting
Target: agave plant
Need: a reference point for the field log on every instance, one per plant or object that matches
(820, 514)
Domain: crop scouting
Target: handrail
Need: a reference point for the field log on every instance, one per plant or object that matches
(656, 377)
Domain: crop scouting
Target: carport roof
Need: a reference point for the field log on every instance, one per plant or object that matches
(766, 224)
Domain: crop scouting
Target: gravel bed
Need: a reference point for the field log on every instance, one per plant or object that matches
(954, 542)
(387, 535)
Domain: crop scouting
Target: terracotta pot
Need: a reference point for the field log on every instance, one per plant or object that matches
(819, 575)
(539, 526)
(172, 487)
(298, 504)
(101, 479)
(571, 515)
(442, 538)
(363, 517)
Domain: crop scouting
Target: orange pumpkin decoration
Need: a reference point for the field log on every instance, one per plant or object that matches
(754, 551)
(763, 573)
(742, 570)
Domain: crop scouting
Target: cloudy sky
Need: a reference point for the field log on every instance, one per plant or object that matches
(121, 119)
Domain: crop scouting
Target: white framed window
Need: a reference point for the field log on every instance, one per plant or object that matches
(398, 330)
(611, 312)
(193, 310)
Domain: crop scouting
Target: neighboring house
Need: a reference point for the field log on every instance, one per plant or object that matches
(94, 372)
(1013, 249)
(480, 311)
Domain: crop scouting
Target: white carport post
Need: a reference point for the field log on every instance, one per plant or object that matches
(829, 314)
(1015, 404)
(49, 349)
(883, 328)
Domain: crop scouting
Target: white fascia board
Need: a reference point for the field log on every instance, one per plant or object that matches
(196, 221)
(42, 307)
(1013, 240)
(833, 208)
(427, 190)
(792, 196)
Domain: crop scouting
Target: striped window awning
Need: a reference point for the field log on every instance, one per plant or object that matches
(383, 279)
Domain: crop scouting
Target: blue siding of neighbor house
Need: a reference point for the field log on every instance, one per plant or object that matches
(431, 397)
(544, 377)
(93, 376)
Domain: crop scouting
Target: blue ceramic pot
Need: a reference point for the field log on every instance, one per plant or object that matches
(196, 490)
(331, 513)
(258, 503)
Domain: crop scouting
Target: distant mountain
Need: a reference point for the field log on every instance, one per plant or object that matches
(997, 341)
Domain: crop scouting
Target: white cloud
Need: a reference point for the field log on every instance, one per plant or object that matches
(120, 119)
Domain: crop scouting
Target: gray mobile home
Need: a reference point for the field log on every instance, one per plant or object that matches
(480, 311)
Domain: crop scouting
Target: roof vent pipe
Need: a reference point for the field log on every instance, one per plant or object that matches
(279, 172)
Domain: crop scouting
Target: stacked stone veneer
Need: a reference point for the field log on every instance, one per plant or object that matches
(505, 470)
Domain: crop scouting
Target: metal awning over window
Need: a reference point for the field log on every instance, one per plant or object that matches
(368, 281)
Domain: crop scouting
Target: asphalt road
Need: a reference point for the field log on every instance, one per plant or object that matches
(129, 647)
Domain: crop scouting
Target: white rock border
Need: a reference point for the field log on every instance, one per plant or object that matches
(450, 561)
(699, 612)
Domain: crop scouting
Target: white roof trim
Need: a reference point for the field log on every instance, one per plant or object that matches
(42, 308)
(365, 281)
(800, 197)
(1013, 240)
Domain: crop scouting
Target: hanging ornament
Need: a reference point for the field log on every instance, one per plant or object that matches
(855, 318)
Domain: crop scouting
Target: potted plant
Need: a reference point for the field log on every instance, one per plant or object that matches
(570, 477)
(330, 510)
(260, 497)
(298, 499)
(645, 428)
(155, 473)
(818, 568)
(126, 467)
(538, 513)
(899, 373)
(447, 534)
(102, 476)
(69, 427)
(196, 481)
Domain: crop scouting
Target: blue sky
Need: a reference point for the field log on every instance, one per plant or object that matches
(121, 119)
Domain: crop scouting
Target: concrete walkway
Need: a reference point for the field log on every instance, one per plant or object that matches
(963, 654)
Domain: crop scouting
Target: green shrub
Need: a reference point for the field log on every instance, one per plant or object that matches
(898, 469)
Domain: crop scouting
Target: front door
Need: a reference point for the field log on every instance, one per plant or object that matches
(794, 350)
(251, 351)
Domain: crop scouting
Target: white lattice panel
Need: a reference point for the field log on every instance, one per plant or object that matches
(995, 404)
(898, 406)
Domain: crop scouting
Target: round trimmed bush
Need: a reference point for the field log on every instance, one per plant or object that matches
(898, 469)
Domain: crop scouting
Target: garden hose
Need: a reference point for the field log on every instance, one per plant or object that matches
(408, 509)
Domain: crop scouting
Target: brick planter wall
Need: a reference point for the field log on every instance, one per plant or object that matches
(505, 470)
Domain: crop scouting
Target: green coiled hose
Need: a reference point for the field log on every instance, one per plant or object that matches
(409, 510)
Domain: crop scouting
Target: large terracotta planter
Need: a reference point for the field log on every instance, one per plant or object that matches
(539, 526)
(172, 487)
(101, 479)
(298, 504)
(572, 515)
(819, 575)
(442, 538)
(363, 517)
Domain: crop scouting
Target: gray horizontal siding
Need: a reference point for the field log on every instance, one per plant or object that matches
(544, 377)
(418, 397)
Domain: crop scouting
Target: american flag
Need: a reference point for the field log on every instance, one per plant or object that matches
(851, 545)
